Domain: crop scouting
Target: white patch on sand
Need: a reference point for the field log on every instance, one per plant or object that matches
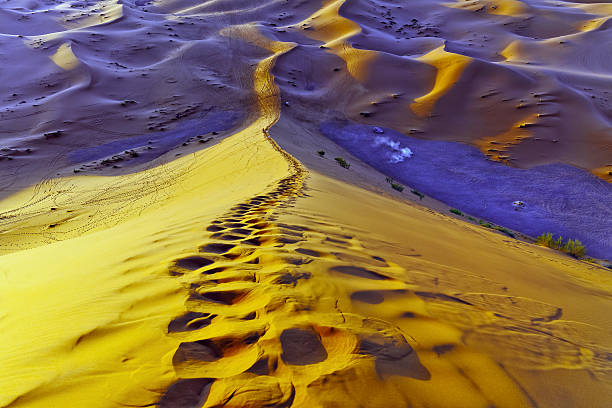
(398, 153)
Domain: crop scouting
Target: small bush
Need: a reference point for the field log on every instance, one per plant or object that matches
(321, 153)
(572, 247)
(418, 193)
(342, 162)
(397, 187)
(545, 240)
(456, 211)
(495, 227)
(505, 231)
(394, 185)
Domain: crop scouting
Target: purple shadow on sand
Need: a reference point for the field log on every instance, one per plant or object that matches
(161, 142)
(559, 198)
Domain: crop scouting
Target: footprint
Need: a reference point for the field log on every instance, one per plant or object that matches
(226, 237)
(201, 350)
(308, 252)
(226, 297)
(302, 347)
(193, 262)
(187, 393)
(213, 270)
(241, 231)
(190, 321)
(234, 225)
(394, 356)
(359, 272)
(289, 278)
(261, 367)
(216, 248)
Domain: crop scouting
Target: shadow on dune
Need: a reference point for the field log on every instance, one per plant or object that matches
(162, 142)
(559, 198)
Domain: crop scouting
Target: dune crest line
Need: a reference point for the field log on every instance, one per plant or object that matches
(263, 325)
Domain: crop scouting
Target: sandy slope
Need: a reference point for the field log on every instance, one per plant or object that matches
(254, 272)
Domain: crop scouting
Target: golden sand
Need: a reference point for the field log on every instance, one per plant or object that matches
(237, 276)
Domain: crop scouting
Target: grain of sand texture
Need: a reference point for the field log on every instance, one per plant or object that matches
(175, 231)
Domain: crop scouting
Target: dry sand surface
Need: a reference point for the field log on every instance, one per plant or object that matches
(170, 235)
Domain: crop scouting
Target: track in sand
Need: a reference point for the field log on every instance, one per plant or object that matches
(255, 273)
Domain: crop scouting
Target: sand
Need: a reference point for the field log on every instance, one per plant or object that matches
(171, 237)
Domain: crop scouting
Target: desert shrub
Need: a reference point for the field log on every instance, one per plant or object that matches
(574, 248)
(485, 224)
(394, 185)
(545, 240)
(495, 227)
(342, 162)
(397, 187)
(456, 211)
(549, 241)
(505, 231)
(321, 153)
(418, 193)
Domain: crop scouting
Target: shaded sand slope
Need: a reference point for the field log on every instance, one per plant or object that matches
(559, 198)
(416, 70)
(85, 81)
(518, 80)
(237, 276)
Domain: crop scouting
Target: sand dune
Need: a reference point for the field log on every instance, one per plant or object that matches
(170, 235)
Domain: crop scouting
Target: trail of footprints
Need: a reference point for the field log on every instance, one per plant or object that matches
(264, 324)
(243, 298)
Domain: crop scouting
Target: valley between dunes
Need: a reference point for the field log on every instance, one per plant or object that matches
(257, 273)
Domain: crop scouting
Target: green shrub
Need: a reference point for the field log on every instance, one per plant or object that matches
(456, 211)
(397, 187)
(545, 240)
(505, 231)
(574, 248)
(418, 193)
(342, 162)
(495, 227)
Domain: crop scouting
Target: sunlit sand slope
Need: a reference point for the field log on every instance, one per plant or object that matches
(105, 299)
(341, 295)
(238, 276)
(101, 302)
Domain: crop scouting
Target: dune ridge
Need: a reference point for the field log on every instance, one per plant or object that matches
(249, 270)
